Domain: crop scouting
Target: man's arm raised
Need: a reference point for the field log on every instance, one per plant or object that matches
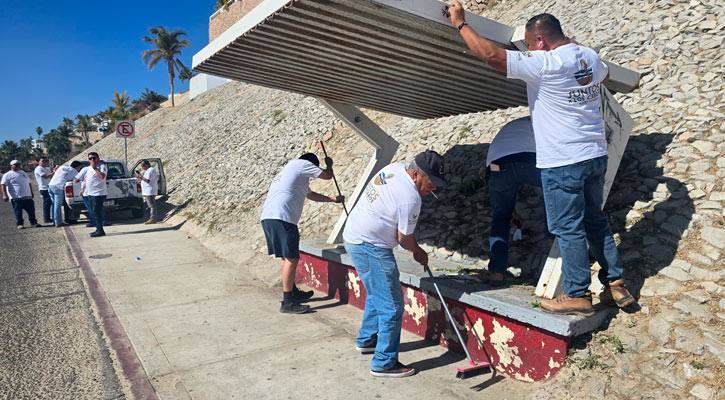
(483, 48)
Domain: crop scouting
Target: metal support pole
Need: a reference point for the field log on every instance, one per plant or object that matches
(385, 148)
(125, 150)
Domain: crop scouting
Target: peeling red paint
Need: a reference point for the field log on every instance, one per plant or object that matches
(516, 349)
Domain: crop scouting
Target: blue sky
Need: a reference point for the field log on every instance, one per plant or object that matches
(64, 58)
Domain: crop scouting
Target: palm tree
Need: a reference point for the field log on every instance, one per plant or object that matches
(121, 101)
(223, 3)
(185, 74)
(167, 47)
(84, 126)
(39, 131)
(9, 150)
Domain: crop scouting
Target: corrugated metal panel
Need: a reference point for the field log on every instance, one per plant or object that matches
(388, 57)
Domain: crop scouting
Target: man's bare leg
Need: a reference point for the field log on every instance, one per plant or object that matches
(289, 269)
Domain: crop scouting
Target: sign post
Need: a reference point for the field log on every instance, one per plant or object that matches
(125, 129)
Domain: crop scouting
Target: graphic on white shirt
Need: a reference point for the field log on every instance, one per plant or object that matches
(63, 174)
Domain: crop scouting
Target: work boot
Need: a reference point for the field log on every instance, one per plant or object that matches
(565, 305)
(301, 296)
(495, 279)
(616, 292)
(294, 307)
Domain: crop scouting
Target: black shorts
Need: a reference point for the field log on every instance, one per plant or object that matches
(283, 238)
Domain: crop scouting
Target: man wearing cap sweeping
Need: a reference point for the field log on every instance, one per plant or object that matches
(15, 186)
(384, 217)
(280, 214)
(563, 82)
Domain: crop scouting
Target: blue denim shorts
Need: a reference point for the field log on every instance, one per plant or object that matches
(283, 238)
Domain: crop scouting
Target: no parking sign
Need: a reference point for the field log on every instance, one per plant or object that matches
(125, 129)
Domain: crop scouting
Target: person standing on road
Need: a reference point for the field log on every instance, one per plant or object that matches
(149, 189)
(62, 175)
(96, 189)
(81, 177)
(43, 174)
(563, 82)
(385, 216)
(16, 188)
(280, 214)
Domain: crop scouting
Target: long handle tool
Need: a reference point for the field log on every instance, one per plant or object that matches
(473, 369)
(335, 180)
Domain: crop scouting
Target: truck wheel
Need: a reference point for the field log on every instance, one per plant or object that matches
(137, 212)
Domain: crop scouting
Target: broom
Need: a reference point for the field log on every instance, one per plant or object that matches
(474, 368)
(335, 180)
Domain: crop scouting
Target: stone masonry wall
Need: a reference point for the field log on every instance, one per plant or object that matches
(223, 19)
(666, 207)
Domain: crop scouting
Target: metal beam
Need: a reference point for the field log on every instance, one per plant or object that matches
(384, 145)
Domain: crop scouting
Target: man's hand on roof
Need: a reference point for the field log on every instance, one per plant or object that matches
(457, 13)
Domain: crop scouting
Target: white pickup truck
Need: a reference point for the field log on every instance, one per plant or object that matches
(124, 191)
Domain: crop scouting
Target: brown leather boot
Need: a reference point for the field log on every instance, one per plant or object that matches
(565, 305)
(616, 292)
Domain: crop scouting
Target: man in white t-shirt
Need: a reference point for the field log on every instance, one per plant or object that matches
(81, 177)
(149, 189)
(280, 214)
(42, 176)
(385, 216)
(63, 174)
(96, 189)
(563, 81)
(15, 187)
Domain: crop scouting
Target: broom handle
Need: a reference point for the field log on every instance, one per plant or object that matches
(335, 180)
(450, 317)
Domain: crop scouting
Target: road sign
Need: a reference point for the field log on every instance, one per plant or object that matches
(125, 129)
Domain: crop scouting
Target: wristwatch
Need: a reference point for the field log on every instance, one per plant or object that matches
(464, 23)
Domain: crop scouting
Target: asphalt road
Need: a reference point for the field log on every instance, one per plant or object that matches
(51, 345)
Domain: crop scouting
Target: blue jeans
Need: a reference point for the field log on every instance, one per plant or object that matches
(573, 195)
(502, 187)
(24, 204)
(383, 316)
(58, 194)
(47, 204)
(98, 212)
(91, 215)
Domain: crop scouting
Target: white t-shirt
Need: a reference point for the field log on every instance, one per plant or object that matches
(287, 192)
(391, 203)
(39, 172)
(515, 137)
(95, 186)
(65, 173)
(17, 183)
(152, 188)
(563, 88)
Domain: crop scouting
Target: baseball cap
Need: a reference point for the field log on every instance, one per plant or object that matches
(14, 162)
(431, 163)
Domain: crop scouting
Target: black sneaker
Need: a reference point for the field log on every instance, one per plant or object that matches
(294, 308)
(98, 233)
(301, 296)
(396, 371)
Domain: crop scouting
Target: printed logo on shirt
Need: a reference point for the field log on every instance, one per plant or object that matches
(584, 76)
(382, 179)
(585, 95)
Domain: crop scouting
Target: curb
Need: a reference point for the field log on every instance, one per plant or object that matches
(131, 366)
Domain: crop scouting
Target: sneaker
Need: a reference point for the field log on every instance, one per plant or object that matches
(565, 305)
(150, 221)
(396, 371)
(21, 227)
(36, 225)
(98, 233)
(365, 349)
(294, 308)
(616, 292)
(300, 295)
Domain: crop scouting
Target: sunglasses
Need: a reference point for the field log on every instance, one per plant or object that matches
(93, 158)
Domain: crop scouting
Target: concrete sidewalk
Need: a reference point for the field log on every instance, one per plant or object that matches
(207, 329)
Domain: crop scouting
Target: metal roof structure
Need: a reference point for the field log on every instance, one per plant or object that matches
(397, 56)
